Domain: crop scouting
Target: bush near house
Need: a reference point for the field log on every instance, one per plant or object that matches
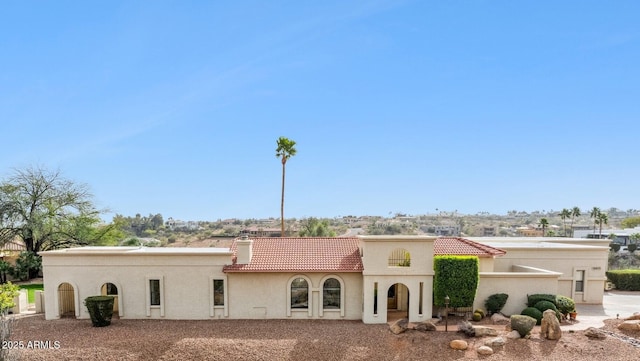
(496, 302)
(615, 247)
(535, 298)
(565, 304)
(627, 280)
(456, 277)
(533, 313)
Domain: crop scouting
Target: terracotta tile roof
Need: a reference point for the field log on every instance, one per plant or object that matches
(461, 246)
(336, 254)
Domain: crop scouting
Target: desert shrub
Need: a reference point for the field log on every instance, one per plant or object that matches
(632, 247)
(533, 313)
(565, 304)
(100, 309)
(477, 316)
(480, 311)
(615, 247)
(535, 298)
(496, 302)
(545, 305)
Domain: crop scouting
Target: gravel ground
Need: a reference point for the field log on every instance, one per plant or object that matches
(286, 340)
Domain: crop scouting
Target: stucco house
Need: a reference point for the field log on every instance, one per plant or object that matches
(352, 278)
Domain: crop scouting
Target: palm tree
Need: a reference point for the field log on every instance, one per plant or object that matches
(564, 214)
(595, 211)
(285, 150)
(544, 223)
(575, 212)
(602, 218)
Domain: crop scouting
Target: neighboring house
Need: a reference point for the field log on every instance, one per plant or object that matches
(353, 278)
(10, 251)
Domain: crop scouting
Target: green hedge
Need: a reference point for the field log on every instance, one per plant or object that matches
(496, 302)
(627, 280)
(535, 298)
(456, 277)
(533, 313)
(100, 309)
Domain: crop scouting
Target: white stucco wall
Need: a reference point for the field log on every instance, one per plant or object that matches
(185, 279)
(267, 295)
(375, 252)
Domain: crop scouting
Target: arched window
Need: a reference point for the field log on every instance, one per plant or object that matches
(331, 294)
(299, 293)
(399, 258)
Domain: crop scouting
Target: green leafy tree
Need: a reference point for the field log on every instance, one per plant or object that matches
(630, 222)
(285, 150)
(47, 211)
(5, 269)
(544, 223)
(575, 213)
(564, 214)
(314, 227)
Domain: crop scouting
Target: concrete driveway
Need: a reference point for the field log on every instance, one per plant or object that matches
(620, 304)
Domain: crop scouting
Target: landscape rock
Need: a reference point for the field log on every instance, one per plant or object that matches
(635, 316)
(550, 327)
(399, 326)
(499, 319)
(482, 331)
(523, 324)
(632, 325)
(513, 335)
(592, 332)
(467, 328)
(496, 342)
(425, 326)
(458, 344)
(485, 350)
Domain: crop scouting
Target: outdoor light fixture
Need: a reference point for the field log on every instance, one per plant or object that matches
(446, 312)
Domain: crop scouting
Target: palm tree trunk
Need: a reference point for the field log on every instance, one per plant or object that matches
(282, 201)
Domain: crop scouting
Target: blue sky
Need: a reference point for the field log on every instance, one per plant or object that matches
(396, 106)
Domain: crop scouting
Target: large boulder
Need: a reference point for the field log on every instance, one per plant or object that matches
(523, 324)
(632, 325)
(424, 326)
(499, 319)
(399, 326)
(481, 331)
(596, 333)
(459, 344)
(635, 316)
(550, 327)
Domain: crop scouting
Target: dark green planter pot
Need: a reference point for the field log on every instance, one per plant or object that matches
(100, 309)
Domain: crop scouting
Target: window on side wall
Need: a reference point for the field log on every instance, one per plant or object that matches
(154, 292)
(218, 292)
(331, 294)
(580, 281)
(299, 294)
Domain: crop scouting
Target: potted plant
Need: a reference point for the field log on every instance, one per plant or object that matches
(573, 314)
(100, 310)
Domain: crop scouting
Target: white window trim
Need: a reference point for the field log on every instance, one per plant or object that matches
(342, 296)
(148, 295)
(212, 306)
(309, 296)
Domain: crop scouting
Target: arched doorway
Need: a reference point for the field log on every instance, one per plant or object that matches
(397, 302)
(109, 289)
(66, 300)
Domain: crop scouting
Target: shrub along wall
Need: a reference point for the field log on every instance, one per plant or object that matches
(628, 280)
(456, 277)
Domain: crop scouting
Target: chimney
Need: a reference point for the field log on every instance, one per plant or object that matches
(245, 250)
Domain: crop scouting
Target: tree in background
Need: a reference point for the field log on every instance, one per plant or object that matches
(314, 227)
(603, 218)
(47, 212)
(544, 223)
(564, 214)
(595, 211)
(575, 213)
(630, 222)
(285, 150)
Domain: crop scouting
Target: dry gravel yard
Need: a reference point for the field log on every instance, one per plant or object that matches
(287, 340)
